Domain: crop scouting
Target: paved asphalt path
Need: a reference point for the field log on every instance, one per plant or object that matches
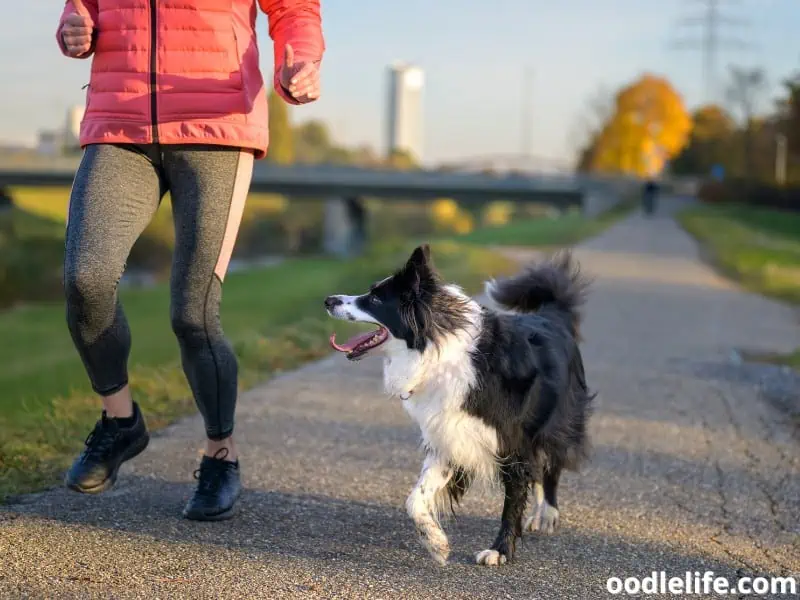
(692, 470)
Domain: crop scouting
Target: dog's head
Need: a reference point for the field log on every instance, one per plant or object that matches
(412, 305)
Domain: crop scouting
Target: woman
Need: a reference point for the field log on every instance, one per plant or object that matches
(176, 102)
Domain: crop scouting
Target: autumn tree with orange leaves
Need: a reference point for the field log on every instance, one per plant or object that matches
(648, 126)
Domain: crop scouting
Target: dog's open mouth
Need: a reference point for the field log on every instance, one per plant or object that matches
(359, 345)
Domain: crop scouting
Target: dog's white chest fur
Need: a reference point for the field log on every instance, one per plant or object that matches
(433, 386)
(454, 436)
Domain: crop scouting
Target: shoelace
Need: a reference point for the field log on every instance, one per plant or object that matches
(100, 442)
(210, 473)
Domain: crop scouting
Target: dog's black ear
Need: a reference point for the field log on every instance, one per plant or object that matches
(412, 276)
(421, 257)
(418, 272)
(415, 282)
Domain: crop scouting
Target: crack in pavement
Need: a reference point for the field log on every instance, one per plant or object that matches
(761, 484)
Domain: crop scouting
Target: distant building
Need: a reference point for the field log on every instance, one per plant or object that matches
(73, 127)
(404, 115)
(50, 143)
(55, 142)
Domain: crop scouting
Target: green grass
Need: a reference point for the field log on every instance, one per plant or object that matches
(51, 204)
(566, 230)
(273, 316)
(759, 248)
(792, 359)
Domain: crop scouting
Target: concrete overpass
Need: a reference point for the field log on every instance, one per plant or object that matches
(512, 163)
(315, 181)
(344, 187)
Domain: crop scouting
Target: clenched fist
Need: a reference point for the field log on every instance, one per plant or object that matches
(301, 79)
(76, 33)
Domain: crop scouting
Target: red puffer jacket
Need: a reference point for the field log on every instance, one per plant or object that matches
(187, 71)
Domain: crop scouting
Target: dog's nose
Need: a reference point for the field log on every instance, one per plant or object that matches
(332, 301)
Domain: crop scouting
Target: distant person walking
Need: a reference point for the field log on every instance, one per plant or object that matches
(650, 193)
(176, 102)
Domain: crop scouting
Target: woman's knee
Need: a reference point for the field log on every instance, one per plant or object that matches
(89, 285)
(188, 320)
(194, 312)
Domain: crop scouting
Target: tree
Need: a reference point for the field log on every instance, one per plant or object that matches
(365, 156)
(339, 155)
(710, 142)
(712, 122)
(598, 110)
(281, 136)
(744, 92)
(649, 125)
(791, 113)
(586, 155)
(312, 142)
(402, 160)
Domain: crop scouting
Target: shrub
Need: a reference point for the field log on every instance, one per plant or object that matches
(30, 269)
(753, 193)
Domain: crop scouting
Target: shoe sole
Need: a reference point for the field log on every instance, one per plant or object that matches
(132, 451)
(224, 515)
(227, 514)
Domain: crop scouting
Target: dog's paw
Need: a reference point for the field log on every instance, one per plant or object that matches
(545, 519)
(439, 552)
(490, 557)
(435, 542)
(440, 555)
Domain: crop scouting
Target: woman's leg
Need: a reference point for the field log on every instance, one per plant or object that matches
(116, 191)
(208, 186)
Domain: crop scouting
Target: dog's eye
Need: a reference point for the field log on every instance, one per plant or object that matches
(374, 299)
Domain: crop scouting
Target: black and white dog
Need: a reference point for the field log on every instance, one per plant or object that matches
(500, 394)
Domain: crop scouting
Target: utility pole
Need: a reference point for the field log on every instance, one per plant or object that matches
(780, 158)
(711, 41)
(525, 114)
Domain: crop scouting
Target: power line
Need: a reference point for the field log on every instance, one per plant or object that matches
(711, 20)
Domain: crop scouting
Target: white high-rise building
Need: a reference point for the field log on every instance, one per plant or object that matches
(73, 126)
(404, 118)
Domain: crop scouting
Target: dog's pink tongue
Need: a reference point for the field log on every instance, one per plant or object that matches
(350, 344)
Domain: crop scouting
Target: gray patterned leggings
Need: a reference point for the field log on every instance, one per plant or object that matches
(116, 192)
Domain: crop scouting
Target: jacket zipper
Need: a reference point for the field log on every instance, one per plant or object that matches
(153, 79)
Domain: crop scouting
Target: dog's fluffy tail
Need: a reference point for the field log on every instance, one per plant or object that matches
(556, 281)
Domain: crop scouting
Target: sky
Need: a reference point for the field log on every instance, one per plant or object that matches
(474, 55)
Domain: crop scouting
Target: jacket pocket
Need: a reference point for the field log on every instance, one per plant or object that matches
(237, 70)
(88, 100)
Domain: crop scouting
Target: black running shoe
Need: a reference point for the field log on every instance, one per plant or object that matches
(218, 488)
(107, 447)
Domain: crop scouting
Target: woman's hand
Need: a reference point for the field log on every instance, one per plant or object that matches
(76, 32)
(300, 79)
